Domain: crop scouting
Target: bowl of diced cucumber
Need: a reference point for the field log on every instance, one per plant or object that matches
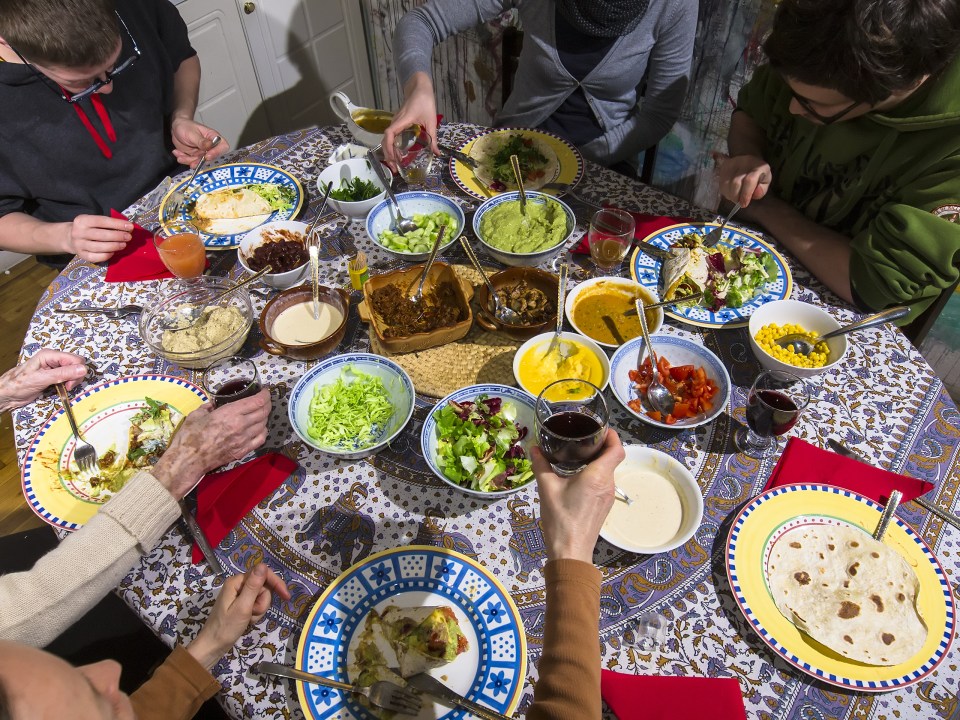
(429, 211)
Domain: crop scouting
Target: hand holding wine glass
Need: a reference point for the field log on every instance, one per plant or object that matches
(571, 423)
(774, 404)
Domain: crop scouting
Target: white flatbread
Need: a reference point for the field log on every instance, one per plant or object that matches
(535, 175)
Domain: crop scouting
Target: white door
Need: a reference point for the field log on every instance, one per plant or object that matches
(304, 50)
(230, 98)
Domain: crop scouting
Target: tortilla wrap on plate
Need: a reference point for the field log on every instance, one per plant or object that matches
(849, 592)
(495, 171)
(685, 271)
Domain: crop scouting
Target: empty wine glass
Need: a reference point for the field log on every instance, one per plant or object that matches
(571, 422)
(609, 237)
(774, 404)
(650, 631)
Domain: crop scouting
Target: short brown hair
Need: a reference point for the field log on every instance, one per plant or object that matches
(865, 49)
(64, 33)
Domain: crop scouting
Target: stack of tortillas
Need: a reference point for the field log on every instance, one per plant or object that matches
(849, 592)
(478, 357)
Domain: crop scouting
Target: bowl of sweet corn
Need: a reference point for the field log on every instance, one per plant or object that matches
(776, 319)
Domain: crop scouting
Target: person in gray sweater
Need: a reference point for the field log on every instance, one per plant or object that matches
(581, 71)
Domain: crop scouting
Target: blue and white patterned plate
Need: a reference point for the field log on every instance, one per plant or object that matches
(235, 175)
(646, 271)
(764, 520)
(490, 672)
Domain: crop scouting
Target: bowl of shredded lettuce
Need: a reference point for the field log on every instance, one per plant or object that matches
(478, 439)
(351, 405)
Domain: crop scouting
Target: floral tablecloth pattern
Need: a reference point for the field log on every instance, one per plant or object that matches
(883, 400)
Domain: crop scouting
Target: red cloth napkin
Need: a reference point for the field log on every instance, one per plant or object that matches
(802, 462)
(139, 260)
(662, 697)
(646, 224)
(223, 498)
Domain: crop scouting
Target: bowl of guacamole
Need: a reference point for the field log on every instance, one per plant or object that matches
(526, 240)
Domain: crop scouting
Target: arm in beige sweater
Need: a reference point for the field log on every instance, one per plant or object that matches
(39, 604)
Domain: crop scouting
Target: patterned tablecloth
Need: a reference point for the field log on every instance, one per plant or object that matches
(883, 400)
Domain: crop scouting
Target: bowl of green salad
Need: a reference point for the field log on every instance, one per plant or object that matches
(429, 211)
(356, 187)
(478, 439)
(351, 405)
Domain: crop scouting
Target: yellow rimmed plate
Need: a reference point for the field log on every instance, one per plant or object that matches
(772, 513)
(569, 167)
(490, 672)
(103, 413)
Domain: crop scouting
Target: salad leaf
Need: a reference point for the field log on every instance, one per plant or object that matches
(478, 444)
(355, 190)
(349, 415)
(280, 197)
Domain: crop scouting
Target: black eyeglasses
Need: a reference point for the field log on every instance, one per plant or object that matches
(108, 76)
(825, 119)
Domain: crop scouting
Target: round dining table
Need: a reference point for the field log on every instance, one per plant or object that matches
(883, 401)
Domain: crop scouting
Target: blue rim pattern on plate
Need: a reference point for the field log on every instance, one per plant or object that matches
(863, 685)
(341, 610)
(235, 175)
(646, 271)
(30, 457)
(625, 359)
(455, 164)
(428, 434)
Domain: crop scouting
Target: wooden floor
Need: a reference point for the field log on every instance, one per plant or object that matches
(20, 289)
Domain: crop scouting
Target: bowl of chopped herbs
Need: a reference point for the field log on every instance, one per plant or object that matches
(356, 187)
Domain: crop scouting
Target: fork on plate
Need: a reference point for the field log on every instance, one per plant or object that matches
(84, 453)
(714, 236)
(383, 694)
(179, 196)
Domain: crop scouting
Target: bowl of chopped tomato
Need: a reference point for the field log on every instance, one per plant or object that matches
(695, 376)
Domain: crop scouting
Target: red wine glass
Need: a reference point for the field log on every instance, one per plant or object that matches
(774, 404)
(230, 379)
(571, 423)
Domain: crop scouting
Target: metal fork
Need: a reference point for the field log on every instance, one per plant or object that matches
(714, 236)
(179, 196)
(114, 312)
(382, 693)
(84, 453)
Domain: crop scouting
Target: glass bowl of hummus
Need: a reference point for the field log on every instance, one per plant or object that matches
(219, 332)
(522, 240)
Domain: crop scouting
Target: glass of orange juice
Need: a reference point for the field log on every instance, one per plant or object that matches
(182, 251)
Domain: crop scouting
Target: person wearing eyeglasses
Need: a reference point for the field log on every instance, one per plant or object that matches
(98, 100)
(846, 146)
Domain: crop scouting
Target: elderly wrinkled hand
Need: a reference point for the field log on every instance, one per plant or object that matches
(572, 509)
(24, 383)
(212, 437)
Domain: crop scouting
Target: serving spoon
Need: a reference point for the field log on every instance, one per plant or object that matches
(562, 347)
(803, 345)
(418, 295)
(402, 224)
(504, 314)
(192, 313)
(515, 164)
(658, 396)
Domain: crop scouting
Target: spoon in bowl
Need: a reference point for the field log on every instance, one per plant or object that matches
(802, 345)
(503, 313)
(515, 164)
(402, 224)
(658, 396)
(418, 295)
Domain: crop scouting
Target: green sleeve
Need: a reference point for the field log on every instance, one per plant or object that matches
(759, 96)
(910, 251)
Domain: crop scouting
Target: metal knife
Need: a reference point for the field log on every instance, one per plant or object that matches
(457, 155)
(657, 253)
(944, 515)
(431, 686)
(197, 533)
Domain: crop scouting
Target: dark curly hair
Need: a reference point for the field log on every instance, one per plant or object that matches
(65, 33)
(865, 49)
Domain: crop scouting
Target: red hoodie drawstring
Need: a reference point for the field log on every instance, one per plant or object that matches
(104, 120)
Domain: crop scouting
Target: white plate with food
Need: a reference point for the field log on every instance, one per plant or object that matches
(228, 201)
(544, 158)
(129, 421)
(829, 599)
(483, 655)
(737, 276)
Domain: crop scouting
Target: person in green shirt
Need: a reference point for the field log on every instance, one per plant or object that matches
(846, 146)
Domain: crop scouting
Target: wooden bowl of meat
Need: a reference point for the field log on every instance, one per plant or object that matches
(530, 292)
(442, 316)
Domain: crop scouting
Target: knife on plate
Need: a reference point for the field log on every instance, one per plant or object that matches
(431, 686)
(944, 515)
(457, 155)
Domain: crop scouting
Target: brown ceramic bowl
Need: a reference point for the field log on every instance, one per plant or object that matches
(404, 278)
(548, 283)
(303, 293)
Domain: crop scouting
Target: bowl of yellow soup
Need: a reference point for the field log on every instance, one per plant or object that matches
(535, 365)
(604, 309)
